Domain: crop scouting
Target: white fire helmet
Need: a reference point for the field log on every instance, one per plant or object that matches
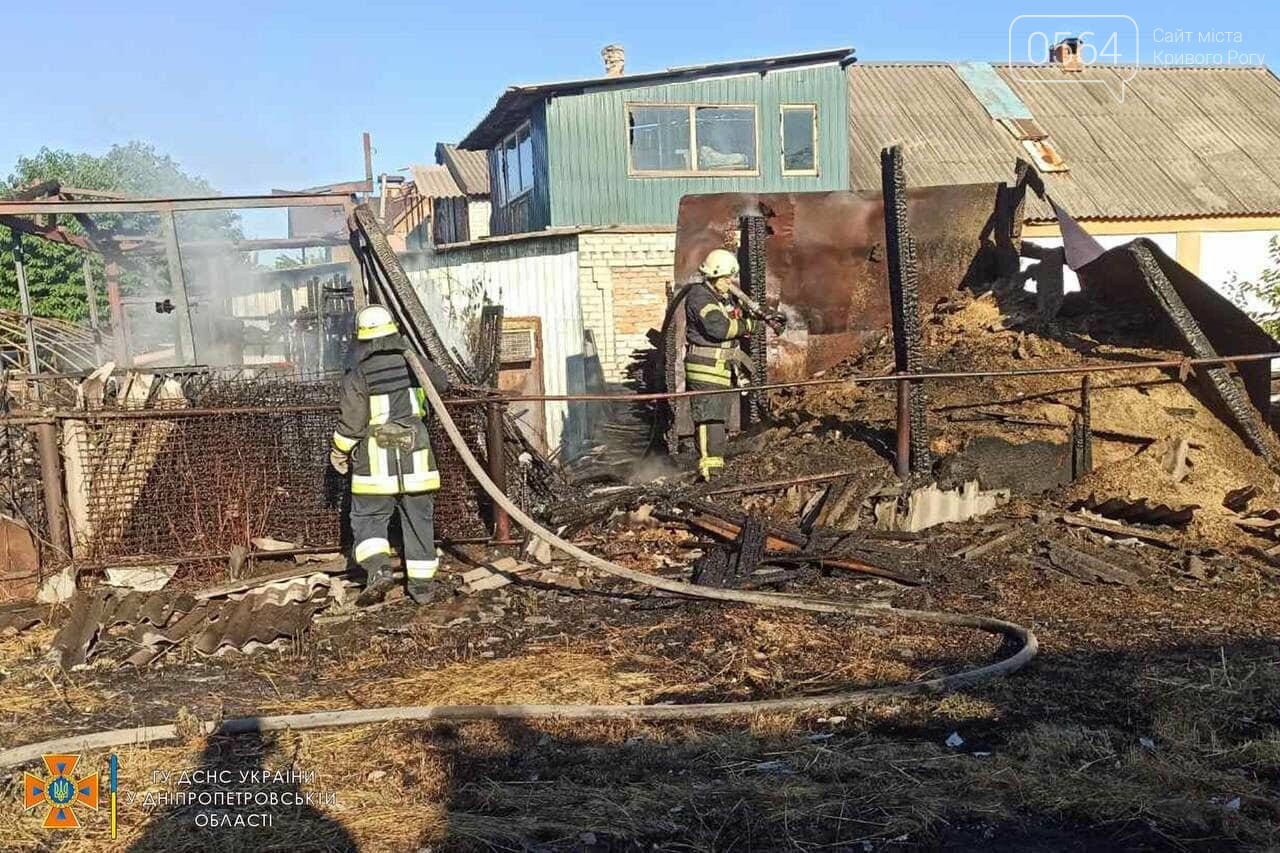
(373, 322)
(720, 263)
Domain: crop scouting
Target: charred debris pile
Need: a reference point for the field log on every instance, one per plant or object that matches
(1163, 483)
(1104, 477)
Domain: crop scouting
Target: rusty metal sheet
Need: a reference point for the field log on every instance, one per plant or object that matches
(825, 259)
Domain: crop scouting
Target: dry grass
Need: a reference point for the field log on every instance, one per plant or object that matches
(30, 691)
(775, 783)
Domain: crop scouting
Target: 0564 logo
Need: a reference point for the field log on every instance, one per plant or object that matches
(1097, 43)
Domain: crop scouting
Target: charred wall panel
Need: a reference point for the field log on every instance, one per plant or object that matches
(825, 260)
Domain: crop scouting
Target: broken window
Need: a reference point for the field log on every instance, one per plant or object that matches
(515, 165)
(800, 139)
(726, 139)
(659, 139)
(691, 139)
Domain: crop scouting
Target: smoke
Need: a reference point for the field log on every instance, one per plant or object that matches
(238, 311)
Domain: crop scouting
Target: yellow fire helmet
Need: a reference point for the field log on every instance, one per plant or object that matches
(373, 322)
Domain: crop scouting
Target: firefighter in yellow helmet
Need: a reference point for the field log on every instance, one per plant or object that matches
(714, 359)
(382, 441)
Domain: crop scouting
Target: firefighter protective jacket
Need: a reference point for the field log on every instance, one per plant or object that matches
(381, 390)
(713, 325)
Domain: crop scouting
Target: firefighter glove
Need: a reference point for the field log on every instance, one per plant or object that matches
(340, 461)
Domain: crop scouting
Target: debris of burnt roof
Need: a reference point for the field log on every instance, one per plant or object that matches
(157, 621)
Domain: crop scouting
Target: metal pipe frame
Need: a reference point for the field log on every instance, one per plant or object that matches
(495, 449)
(90, 207)
(51, 479)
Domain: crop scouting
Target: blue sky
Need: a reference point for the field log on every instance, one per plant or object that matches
(274, 94)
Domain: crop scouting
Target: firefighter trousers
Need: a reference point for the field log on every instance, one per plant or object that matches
(370, 516)
(710, 415)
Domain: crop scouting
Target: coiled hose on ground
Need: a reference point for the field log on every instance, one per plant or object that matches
(1014, 633)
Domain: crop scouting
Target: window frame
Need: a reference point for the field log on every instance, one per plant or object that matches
(504, 191)
(782, 141)
(694, 172)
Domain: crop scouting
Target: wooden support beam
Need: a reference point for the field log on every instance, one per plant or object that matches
(53, 235)
(91, 297)
(186, 331)
(24, 298)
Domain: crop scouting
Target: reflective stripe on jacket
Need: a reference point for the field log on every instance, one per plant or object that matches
(381, 390)
(713, 326)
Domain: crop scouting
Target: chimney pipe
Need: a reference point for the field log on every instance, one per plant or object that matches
(1067, 54)
(614, 60)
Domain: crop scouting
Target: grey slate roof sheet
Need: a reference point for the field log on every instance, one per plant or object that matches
(1183, 141)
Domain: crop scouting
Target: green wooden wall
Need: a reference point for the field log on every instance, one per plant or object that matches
(586, 145)
(532, 211)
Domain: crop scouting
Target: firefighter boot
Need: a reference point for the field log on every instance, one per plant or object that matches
(424, 592)
(376, 588)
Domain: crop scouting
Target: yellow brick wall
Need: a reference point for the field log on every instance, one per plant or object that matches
(623, 282)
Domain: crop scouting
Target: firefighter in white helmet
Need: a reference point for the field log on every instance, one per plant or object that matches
(382, 441)
(714, 358)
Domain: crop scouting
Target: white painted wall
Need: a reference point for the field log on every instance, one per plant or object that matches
(529, 278)
(1242, 254)
(1168, 244)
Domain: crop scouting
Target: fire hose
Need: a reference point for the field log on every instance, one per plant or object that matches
(1013, 633)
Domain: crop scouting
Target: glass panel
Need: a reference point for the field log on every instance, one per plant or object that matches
(660, 139)
(511, 167)
(495, 158)
(525, 144)
(797, 140)
(726, 139)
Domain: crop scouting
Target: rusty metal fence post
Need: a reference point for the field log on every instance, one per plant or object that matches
(495, 447)
(51, 479)
(902, 464)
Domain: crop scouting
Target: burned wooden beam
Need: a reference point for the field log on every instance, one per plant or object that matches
(1221, 387)
(754, 231)
(1086, 567)
(1119, 531)
(1237, 500)
(979, 549)
(777, 540)
(731, 567)
(395, 291)
(904, 297)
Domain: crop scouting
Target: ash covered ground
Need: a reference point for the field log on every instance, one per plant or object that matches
(1149, 720)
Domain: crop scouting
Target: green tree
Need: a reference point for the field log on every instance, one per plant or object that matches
(1260, 297)
(55, 272)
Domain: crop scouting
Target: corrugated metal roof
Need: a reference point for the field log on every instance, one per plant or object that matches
(470, 169)
(435, 182)
(514, 104)
(1183, 142)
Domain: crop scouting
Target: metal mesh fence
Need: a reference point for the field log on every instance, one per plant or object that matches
(218, 459)
(21, 496)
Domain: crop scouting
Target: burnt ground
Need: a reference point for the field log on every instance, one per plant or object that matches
(1149, 721)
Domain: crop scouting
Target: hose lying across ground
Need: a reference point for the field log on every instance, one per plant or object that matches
(1014, 633)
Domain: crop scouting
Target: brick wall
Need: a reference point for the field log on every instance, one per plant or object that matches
(623, 280)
